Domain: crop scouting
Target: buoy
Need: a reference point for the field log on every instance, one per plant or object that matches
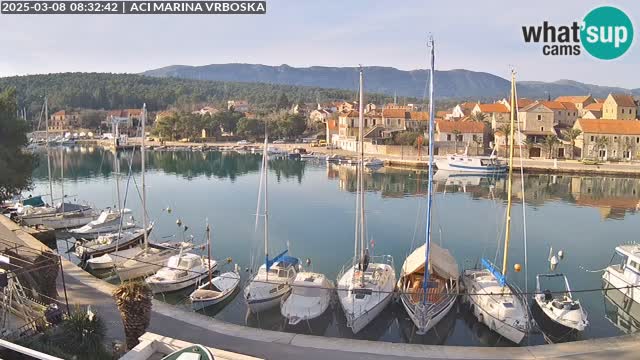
(308, 261)
(561, 254)
(517, 267)
(179, 222)
(553, 262)
(169, 210)
(229, 260)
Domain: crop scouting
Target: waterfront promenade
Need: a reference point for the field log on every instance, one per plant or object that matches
(534, 165)
(167, 320)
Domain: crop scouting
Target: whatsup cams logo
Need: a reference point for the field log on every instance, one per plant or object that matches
(605, 33)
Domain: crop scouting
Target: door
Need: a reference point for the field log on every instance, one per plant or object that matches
(561, 152)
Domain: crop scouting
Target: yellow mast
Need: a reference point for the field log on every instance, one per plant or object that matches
(507, 235)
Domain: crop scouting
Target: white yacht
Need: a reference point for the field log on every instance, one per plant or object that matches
(561, 308)
(310, 297)
(149, 259)
(108, 222)
(63, 216)
(493, 301)
(624, 274)
(476, 164)
(268, 288)
(366, 284)
(181, 271)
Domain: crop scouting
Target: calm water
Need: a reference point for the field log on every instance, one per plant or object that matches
(312, 209)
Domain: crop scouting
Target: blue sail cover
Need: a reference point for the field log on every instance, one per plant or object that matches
(497, 274)
(282, 257)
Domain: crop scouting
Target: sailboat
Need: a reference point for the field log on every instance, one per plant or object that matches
(494, 301)
(109, 219)
(216, 289)
(365, 284)
(150, 257)
(428, 281)
(271, 283)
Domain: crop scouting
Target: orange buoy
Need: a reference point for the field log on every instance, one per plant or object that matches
(517, 267)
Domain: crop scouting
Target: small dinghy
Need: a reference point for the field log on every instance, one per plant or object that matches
(191, 352)
(216, 290)
(374, 163)
(560, 307)
(310, 297)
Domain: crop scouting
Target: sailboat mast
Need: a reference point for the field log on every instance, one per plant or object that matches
(507, 235)
(265, 163)
(46, 127)
(62, 179)
(116, 167)
(361, 162)
(209, 250)
(144, 189)
(430, 174)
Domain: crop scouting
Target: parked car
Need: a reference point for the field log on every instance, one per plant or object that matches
(278, 142)
(243, 142)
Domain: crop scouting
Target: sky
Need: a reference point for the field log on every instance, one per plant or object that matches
(474, 35)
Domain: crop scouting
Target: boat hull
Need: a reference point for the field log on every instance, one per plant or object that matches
(617, 279)
(259, 305)
(422, 325)
(60, 221)
(172, 286)
(444, 164)
(357, 323)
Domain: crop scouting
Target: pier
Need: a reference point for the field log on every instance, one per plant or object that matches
(168, 320)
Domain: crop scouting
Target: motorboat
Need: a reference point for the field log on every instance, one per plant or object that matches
(108, 261)
(271, 283)
(181, 271)
(108, 243)
(216, 290)
(117, 258)
(109, 221)
(63, 216)
(310, 297)
(624, 271)
(191, 352)
(374, 163)
(147, 260)
(476, 164)
(560, 307)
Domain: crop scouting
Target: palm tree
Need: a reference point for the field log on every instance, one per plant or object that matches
(480, 117)
(601, 143)
(134, 302)
(455, 133)
(571, 135)
(550, 141)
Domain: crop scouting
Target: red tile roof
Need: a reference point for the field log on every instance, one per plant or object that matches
(59, 113)
(609, 126)
(594, 107)
(350, 114)
(624, 100)
(491, 108)
(573, 99)
(394, 113)
(418, 115)
(554, 105)
(569, 105)
(448, 126)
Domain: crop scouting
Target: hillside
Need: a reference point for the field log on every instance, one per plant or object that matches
(112, 91)
(459, 84)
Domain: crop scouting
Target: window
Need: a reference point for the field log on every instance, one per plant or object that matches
(448, 137)
(623, 111)
(475, 137)
(541, 128)
(593, 138)
(539, 117)
(638, 140)
(615, 138)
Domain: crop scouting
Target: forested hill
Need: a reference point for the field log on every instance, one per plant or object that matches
(453, 84)
(113, 91)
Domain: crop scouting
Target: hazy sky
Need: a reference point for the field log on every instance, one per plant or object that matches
(474, 35)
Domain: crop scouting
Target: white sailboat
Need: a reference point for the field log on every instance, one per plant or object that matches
(150, 257)
(494, 301)
(64, 215)
(271, 282)
(109, 243)
(216, 289)
(428, 281)
(311, 296)
(366, 284)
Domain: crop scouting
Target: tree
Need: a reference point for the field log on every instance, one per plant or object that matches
(91, 119)
(529, 144)
(409, 138)
(250, 128)
(15, 165)
(601, 143)
(283, 102)
(133, 299)
(571, 135)
(166, 126)
(506, 130)
(480, 117)
(550, 142)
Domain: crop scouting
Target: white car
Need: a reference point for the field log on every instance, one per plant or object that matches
(243, 142)
(278, 142)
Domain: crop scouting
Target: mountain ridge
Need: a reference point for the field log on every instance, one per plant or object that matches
(455, 83)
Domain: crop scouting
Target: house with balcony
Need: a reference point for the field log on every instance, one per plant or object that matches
(464, 133)
(608, 139)
(62, 121)
(564, 113)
